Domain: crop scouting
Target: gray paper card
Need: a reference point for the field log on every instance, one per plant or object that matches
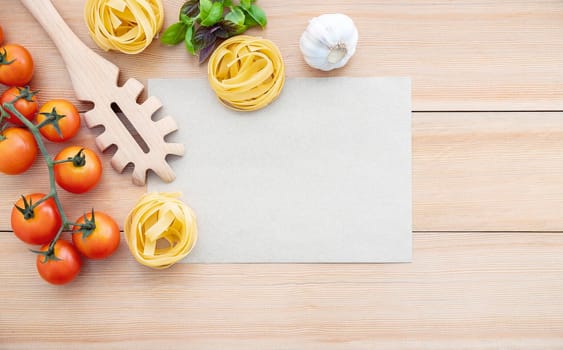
(322, 175)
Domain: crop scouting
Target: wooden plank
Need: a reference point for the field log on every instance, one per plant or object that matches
(463, 290)
(461, 55)
(488, 171)
(471, 172)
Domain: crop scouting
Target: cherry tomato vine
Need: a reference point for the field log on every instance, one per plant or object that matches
(28, 205)
(38, 218)
(66, 224)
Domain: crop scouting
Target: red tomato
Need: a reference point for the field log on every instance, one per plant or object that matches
(1, 35)
(16, 65)
(64, 268)
(26, 105)
(37, 226)
(18, 150)
(96, 238)
(65, 114)
(82, 173)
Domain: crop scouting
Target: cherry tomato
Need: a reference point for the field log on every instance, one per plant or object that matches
(65, 114)
(16, 65)
(62, 269)
(82, 173)
(18, 150)
(27, 105)
(96, 238)
(37, 226)
(1, 35)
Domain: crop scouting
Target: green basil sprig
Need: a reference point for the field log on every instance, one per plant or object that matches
(203, 23)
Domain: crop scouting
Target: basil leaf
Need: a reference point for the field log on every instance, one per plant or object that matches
(245, 4)
(206, 52)
(204, 7)
(236, 16)
(188, 40)
(190, 8)
(174, 34)
(204, 23)
(250, 22)
(204, 36)
(214, 15)
(225, 29)
(186, 20)
(258, 15)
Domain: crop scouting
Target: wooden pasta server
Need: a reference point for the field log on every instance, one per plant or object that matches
(95, 80)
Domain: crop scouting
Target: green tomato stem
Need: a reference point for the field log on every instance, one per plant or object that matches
(50, 250)
(43, 123)
(68, 160)
(50, 165)
(43, 199)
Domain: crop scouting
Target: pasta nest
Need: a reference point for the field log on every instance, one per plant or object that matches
(128, 26)
(160, 218)
(247, 73)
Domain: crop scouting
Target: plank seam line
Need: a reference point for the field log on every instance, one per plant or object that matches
(486, 231)
(490, 111)
(436, 231)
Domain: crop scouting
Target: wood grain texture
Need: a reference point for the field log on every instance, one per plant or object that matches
(488, 171)
(461, 55)
(472, 171)
(463, 291)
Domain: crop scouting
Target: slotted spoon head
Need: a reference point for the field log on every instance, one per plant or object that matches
(95, 80)
(139, 118)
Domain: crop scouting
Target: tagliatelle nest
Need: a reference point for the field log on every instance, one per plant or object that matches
(128, 26)
(160, 216)
(247, 73)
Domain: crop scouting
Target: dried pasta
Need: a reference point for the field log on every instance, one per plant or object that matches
(124, 25)
(160, 216)
(247, 73)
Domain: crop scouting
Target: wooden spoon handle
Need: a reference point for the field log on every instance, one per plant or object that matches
(84, 65)
(95, 79)
(47, 15)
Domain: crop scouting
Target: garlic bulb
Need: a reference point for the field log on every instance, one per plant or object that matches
(329, 41)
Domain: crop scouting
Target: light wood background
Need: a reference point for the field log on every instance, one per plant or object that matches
(487, 271)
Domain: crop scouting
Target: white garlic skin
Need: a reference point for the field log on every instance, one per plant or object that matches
(329, 41)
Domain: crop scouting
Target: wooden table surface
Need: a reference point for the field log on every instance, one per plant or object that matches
(487, 271)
